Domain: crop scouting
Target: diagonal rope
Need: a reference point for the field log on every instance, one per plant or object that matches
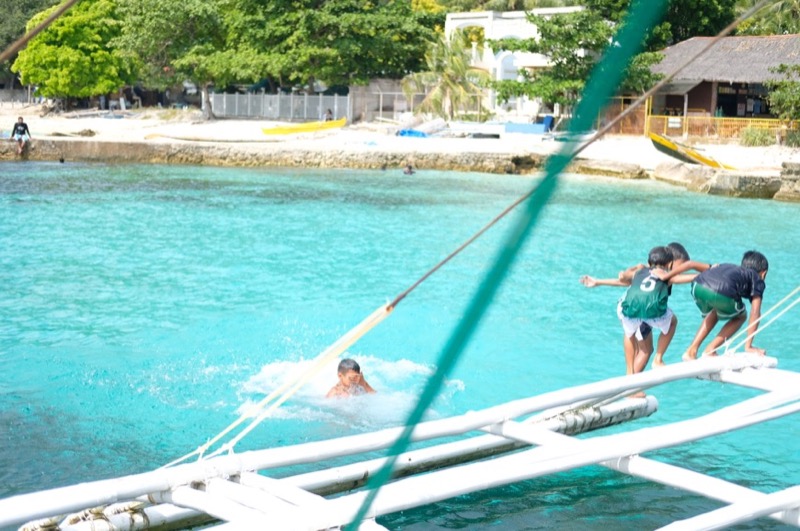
(278, 396)
(643, 15)
(22, 41)
(761, 318)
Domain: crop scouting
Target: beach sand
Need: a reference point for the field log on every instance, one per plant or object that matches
(187, 126)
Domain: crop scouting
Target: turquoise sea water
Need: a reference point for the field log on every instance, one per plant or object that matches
(143, 307)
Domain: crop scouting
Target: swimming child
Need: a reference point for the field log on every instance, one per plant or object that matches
(351, 381)
(718, 293)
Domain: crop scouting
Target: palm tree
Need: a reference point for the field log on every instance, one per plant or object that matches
(779, 18)
(451, 82)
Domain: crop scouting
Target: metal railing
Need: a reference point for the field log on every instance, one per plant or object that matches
(714, 127)
(285, 107)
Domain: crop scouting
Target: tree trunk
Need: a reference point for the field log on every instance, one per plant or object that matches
(208, 113)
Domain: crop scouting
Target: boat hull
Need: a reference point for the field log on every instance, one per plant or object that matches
(308, 127)
(684, 153)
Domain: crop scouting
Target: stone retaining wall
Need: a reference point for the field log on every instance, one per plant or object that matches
(790, 182)
(231, 155)
(701, 179)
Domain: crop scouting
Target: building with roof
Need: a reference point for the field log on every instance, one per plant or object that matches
(505, 64)
(727, 80)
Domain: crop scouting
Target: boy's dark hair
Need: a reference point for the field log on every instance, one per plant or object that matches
(679, 252)
(755, 261)
(659, 256)
(348, 364)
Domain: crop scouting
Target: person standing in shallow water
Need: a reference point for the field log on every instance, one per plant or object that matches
(351, 381)
(21, 134)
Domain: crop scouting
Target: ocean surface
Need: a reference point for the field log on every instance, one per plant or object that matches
(143, 308)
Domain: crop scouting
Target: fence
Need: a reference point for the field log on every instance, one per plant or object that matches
(714, 127)
(284, 107)
(360, 104)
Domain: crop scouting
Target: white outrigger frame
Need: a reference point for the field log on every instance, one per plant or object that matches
(229, 489)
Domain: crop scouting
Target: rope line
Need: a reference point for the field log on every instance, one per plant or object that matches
(22, 41)
(290, 386)
(598, 89)
(760, 318)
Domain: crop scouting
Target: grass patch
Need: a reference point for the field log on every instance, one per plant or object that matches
(753, 137)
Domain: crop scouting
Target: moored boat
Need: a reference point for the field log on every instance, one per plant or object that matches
(685, 153)
(307, 127)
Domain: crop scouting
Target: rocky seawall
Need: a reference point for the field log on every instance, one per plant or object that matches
(782, 186)
(765, 185)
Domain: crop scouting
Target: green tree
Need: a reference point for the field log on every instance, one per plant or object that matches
(341, 41)
(784, 93)
(71, 58)
(572, 42)
(176, 40)
(16, 14)
(779, 18)
(591, 31)
(451, 83)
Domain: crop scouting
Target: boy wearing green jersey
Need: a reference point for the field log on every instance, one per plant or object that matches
(639, 345)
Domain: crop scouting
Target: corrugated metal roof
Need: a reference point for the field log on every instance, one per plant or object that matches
(732, 59)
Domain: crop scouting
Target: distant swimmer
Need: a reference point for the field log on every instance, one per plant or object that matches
(409, 170)
(351, 381)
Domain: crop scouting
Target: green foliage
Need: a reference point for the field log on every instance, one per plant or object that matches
(779, 18)
(172, 40)
(341, 41)
(16, 14)
(71, 58)
(452, 85)
(753, 137)
(561, 38)
(784, 93)
(591, 30)
(793, 139)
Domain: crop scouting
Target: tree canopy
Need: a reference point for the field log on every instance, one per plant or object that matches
(591, 30)
(16, 14)
(779, 18)
(450, 83)
(784, 94)
(71, 58)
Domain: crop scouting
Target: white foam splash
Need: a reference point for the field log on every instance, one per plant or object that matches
(398, 384)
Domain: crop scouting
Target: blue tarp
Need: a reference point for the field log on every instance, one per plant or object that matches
(412, 132)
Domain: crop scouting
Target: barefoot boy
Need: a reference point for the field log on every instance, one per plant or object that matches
(718, 293)
(351, 381)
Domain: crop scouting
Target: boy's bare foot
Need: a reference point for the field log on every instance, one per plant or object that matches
(710, 354)
(657, 364)
(689, 357)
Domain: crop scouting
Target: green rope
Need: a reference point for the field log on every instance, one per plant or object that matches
(602, 85)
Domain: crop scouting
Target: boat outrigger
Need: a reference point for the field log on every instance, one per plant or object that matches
(685, 153)
(523, 439)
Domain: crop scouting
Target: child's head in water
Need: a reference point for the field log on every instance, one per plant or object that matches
(349, 372)
(351, 381)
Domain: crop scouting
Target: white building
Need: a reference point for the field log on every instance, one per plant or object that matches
(505, 64)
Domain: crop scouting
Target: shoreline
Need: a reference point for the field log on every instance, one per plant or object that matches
(180, 137)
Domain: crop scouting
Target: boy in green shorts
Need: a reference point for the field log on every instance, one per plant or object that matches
(718, 293)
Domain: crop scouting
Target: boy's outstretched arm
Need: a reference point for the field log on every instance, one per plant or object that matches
(591, 282)
(686, 266)
(752, 327)
(684, 278)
